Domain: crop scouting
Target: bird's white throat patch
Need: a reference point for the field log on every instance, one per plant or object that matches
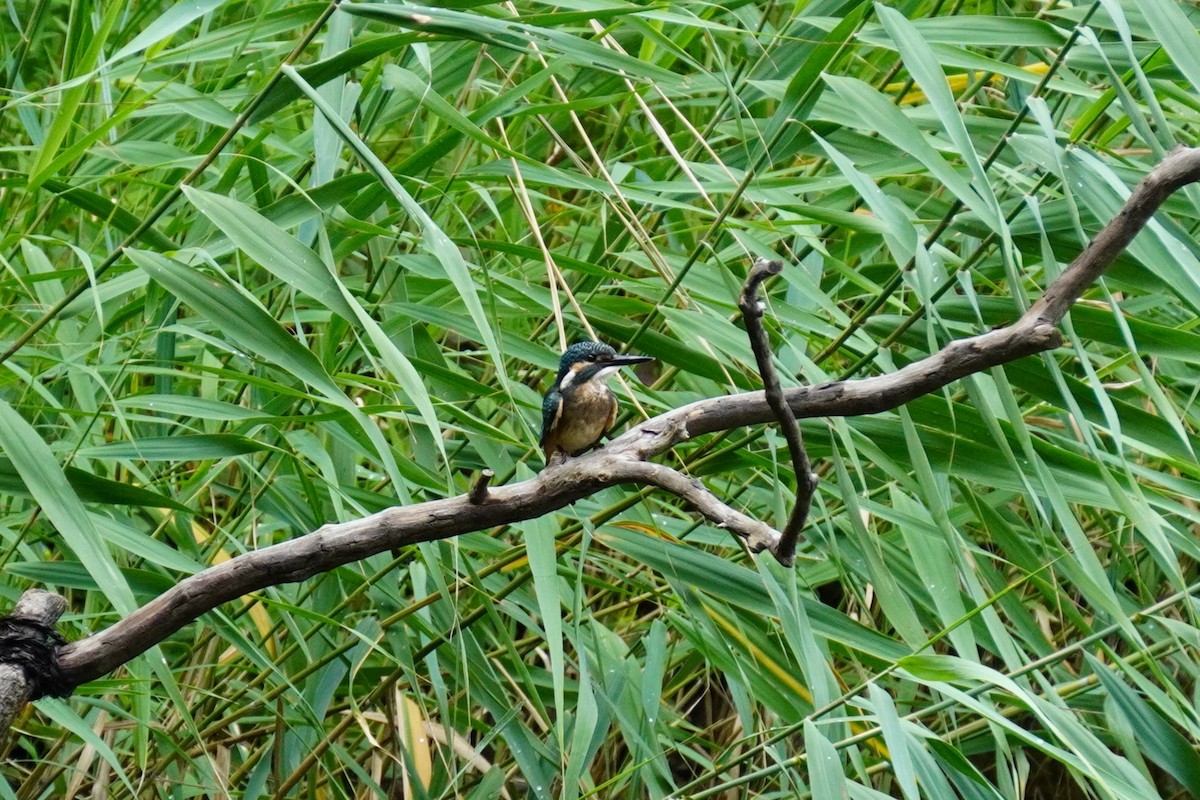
(606, 373)
(603, 375)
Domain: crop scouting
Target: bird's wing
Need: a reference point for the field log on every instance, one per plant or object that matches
(551, 411)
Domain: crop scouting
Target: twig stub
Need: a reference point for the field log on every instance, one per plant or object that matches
(479, 492)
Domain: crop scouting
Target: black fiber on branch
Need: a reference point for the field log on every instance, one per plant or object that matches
(33, 646)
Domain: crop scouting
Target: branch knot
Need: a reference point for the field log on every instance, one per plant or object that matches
(32, 646)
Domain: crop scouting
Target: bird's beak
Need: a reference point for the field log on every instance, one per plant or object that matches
(626, 361)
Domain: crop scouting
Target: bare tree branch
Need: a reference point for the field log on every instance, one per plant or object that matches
(626, 459)
(806, 479)
(758, 535)
(1177, 169)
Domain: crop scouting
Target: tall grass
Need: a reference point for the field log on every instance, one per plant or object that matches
(357, 300)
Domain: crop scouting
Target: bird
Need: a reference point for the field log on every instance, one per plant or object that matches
(580, 408)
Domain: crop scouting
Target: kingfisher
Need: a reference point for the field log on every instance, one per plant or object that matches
(580, 407)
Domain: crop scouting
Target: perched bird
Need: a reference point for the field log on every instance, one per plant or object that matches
(580, 407)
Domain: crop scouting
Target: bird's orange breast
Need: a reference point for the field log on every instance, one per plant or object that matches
(588, 411)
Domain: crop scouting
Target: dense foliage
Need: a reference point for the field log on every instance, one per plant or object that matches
(359, 297)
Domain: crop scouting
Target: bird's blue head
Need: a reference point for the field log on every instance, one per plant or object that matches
(586, 352)
(584, 361)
